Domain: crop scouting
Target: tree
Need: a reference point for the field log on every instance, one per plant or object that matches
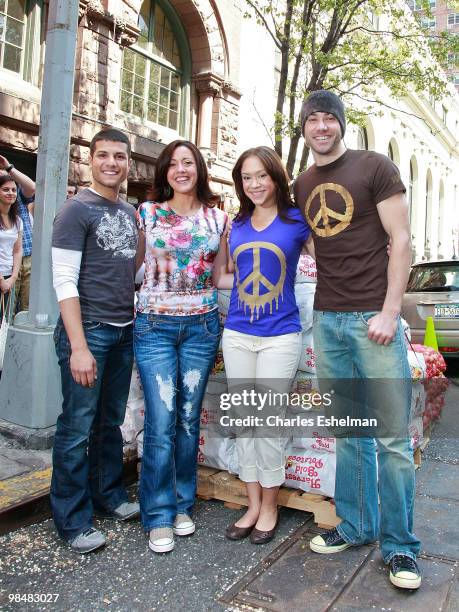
(361, 49)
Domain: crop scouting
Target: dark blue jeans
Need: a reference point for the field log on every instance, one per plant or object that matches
(88, 446)
(174, 355)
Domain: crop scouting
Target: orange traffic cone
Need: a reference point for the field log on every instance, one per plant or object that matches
(430, 337)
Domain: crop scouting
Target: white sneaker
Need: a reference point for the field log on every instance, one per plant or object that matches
(404, 572)
(161, 539)
(184, 525)
(328, 542)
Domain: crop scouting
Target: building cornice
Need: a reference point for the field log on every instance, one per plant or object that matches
(125, 33)
(214, 84)
(434, 122)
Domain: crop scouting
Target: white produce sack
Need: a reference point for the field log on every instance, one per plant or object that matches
(304, 296)
(135, 411)
(417, 365)
(311, 471)
(306, 271)
(307, 358)
(217, 384)
(128, 430)
(318, 442)
(210, 411)
(416, 432)
(217, 452)
(223, 299)
(139, 440)
(305, 382)
(406, 330)
(135, 389)
(418, 399)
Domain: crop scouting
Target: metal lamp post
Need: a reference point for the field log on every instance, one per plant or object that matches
(30, 394)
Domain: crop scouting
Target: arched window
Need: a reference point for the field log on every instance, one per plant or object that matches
(390, 152)
(362, 139)
(411, 186)
(156, 70)
(441, 220)
(393, 151)
(428, 220)
(414, 205)
(19, 27)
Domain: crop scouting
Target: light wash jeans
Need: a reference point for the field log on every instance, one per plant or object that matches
(343, 351)
(272, 360)
(174, 355)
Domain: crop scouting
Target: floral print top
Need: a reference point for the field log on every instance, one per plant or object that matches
(179, 253)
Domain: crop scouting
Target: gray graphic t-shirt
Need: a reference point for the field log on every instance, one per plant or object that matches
(106, 234)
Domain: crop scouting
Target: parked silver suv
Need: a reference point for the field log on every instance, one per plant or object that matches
(433, 290)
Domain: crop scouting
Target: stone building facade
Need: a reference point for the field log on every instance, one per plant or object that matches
(157, 69)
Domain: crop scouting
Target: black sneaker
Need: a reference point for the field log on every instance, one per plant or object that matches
(328, 542)
(404, 572)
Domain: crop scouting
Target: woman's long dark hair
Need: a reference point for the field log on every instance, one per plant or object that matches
(275, 168)
(162, 191)
(13, 213)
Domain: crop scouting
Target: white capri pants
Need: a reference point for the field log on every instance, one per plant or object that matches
(273, 358)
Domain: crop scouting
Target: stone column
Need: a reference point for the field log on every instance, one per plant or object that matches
(208, 86)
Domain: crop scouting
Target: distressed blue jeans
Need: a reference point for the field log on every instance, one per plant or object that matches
(88, 445)
(366, 467)
(174, 355)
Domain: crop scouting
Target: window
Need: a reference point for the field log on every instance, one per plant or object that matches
(453, 60)
(453, 20)
(434, 277)
(454, 78)
(411, 187)
(428, 220)
(418, 6)
(428, 22)
(362, 139)
(20, 41)
(390, 152)
(12, 34)
(153, 76)
(372, 18)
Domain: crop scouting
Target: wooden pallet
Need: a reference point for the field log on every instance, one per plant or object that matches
(24, 499)
(216, 484)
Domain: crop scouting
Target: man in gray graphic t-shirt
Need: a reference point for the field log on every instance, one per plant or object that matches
(94, 250)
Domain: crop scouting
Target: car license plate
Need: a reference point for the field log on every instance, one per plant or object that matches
(446, 311)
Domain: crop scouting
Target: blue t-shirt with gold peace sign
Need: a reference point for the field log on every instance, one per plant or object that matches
(263, 297)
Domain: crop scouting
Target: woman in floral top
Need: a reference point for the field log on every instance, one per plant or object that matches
(176, 334)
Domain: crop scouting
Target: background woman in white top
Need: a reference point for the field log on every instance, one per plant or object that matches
(10, 242)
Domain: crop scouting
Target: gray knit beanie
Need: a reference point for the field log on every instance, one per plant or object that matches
(323, 101)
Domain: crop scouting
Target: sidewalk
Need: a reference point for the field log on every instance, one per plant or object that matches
(206, 572)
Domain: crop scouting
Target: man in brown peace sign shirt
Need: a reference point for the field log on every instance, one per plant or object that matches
(354, 202)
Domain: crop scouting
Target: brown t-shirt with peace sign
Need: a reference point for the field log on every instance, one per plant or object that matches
(339, 203)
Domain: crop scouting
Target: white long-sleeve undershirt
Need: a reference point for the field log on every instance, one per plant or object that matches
(66, 272)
